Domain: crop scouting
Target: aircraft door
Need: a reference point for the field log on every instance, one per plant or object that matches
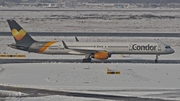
(159, 47)
(130, 47)
(59, 47)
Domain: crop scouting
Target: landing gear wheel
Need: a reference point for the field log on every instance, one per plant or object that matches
(87, 60)
(156, 61)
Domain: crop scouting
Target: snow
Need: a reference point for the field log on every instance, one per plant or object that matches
(53, 98)
(11, 93)
(75, 75)
(92, 78)
(94, 21)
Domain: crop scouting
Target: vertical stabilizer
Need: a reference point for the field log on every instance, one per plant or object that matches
(19, 34)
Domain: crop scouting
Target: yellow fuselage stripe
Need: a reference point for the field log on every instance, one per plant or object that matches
(43, 48)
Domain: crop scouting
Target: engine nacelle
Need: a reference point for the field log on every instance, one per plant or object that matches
(101, 55)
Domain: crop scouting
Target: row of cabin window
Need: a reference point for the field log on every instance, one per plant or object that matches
(97, 46)
(102, 46)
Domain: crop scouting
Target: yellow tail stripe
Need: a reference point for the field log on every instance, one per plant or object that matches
(43, 48)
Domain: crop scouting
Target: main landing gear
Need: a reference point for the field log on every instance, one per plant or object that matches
(156, 60)
(87, 58)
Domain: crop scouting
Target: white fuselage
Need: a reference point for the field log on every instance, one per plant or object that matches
(110, 47)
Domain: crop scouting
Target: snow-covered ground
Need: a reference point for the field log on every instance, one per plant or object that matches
(139, 80)
(94, 21)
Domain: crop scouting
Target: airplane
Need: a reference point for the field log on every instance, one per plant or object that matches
(96, 50)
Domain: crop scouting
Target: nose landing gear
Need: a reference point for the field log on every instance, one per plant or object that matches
(156, 60)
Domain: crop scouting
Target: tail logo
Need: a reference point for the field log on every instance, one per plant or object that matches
(18, 35)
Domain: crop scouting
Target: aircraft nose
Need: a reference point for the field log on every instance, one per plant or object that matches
(172, 50)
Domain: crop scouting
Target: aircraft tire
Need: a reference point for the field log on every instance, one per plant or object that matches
(87, 60)
(156, 61)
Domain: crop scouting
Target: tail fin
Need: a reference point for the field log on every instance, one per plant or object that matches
(19, 34)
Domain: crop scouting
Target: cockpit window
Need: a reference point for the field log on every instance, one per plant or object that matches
(167, 47)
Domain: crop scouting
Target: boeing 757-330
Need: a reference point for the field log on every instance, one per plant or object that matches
(97, 50)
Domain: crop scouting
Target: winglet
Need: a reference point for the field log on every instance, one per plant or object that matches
(65, 46)
(76, 39)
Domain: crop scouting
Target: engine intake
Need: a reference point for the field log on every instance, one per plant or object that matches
(101, 55)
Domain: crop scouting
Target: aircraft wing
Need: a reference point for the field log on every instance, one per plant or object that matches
(83, 50)
(88, 51)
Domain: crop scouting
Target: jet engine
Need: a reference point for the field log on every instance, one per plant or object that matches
(101, 55)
